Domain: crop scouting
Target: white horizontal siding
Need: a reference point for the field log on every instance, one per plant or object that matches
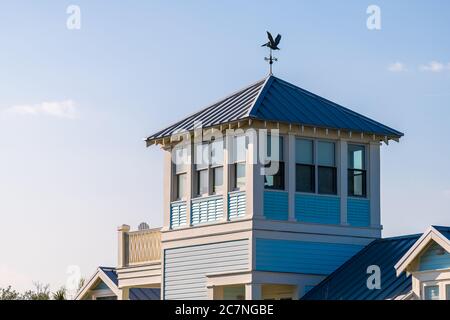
(185, 268)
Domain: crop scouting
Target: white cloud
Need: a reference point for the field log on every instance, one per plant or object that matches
(397, 67)
(434, 66)
(62, 109)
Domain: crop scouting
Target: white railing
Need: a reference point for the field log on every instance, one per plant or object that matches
(139, 247)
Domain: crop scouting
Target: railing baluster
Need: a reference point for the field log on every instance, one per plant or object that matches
(144, 246)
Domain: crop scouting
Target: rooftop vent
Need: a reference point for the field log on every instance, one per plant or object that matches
(143, 226)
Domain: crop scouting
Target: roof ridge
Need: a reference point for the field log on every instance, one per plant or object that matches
(260, 97)
(406, 236)
(211, 105)
(338, 106)
(440, 227)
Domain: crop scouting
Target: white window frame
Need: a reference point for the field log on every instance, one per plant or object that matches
(234, 163)
(337, 164)
(175, 174)
(366, 168)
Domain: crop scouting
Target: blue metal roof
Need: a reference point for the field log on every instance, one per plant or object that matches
(349, 282)
(273, 99)
(135, 293)
(445, 231)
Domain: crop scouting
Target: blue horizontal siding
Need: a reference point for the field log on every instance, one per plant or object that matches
(302, 257)
(276, 205)
(358, 212)
(432, 260)
(318, 209)
(236, 205)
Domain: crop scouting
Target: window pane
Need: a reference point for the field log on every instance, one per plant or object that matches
(202, 180)
(431, 293)
(325, 153)
(356, 183)
(217, 179)
(327, 180)
(356, 157)
(201, 155)
(448, 292)
(304, 178)
(239, 180)
(181, 185)
(275, 181)
(217, 152)
(180, 159)
(276, 156)
(239, 148)
(304, 151)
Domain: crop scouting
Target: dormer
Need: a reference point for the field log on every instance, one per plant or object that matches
(428, 263)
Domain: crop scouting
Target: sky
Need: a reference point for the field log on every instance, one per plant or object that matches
(75, 105)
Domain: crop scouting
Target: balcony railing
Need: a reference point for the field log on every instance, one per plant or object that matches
(139, 247)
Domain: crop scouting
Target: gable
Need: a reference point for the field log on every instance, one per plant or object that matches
(410, 261)
(434, 258)
(101, 286)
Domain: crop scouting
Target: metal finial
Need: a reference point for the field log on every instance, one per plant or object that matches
(272, 45)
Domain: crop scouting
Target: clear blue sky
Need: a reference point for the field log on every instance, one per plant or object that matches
(74, 169)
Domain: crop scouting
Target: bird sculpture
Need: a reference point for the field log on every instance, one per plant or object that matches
(272, 44)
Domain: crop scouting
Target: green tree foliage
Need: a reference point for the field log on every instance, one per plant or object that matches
(40, 292)
(60, 294)
(9, 294)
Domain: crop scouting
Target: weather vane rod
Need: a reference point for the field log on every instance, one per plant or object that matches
(272, 45)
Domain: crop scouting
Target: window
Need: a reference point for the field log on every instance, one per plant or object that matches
(239, 152)
(275, 180)
(447, 289)
(181, 164)
(431, 292)
(181, 186)
(217, 165)
(327, 173)
(209, 167)
(304, 169)
(217, 179)
(201, 157)
(239, 179)
(106, 298)
(202, 182)
(356, 171)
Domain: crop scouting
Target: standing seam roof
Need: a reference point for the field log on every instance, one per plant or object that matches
(274, 99)
(349, 282)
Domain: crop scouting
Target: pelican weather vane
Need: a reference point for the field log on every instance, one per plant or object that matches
(272, 45)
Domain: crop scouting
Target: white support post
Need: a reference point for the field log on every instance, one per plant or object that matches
(121, 256)
(253, 291)
(343, 179)
(374, 185)
(227, 153)
(291, 176)
(190, 182)
(167, 187)
(124, 294)
(255, 190)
